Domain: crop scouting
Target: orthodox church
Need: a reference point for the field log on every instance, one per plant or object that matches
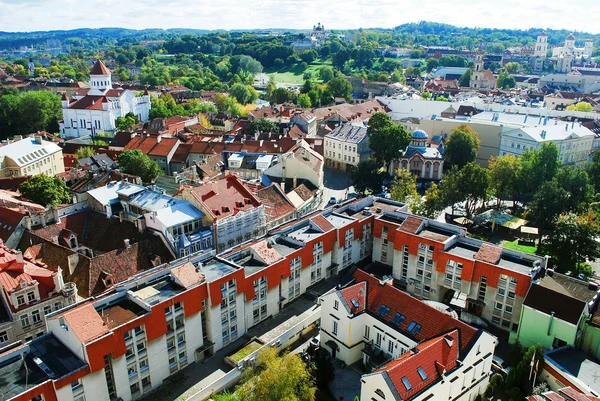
(95, 109)
(423, 161)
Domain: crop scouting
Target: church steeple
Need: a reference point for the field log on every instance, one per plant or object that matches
(100, 77)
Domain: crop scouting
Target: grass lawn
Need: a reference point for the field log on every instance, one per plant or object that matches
(517, 247)
(244, 352)
(294, 74)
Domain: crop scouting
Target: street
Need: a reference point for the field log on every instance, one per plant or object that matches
(337, 184)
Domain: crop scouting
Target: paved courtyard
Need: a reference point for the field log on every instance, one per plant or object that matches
(346, 383)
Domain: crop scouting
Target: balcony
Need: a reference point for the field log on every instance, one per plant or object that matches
(375, 357)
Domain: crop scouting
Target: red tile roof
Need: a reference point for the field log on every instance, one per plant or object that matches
(304, 192)
(163, 146)
(144, 144)
(99, 69)
(225, 197)
(181, 153)
(357, 292)
(89, 102)
(434, 357)
(489, 253)
(411, 224)
(433, 322)
(187, 275)
(322, 223)
(85, 322)
(277, 205)
(9, 220)
(264, 251)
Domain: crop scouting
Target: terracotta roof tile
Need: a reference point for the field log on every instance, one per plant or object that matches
(85, 322)
(89, 102)
(277, 205)
(265, 252)
(181, 153)
(9, 221)
(304, 192)
(358, 293)
(163, 147)
(489, 253)
(433, 322)
(322, 223)
(99, 69)
(187, 275)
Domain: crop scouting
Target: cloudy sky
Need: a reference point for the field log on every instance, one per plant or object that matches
(33, 15)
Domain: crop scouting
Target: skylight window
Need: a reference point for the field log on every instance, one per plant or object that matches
(422, 373)
(406, 383)
(413, 328)
(398, 319)
(383, 310)
(354, 303)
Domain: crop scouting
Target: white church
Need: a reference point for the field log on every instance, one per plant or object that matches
(96, 109)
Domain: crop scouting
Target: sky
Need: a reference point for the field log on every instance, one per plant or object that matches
(38, 15)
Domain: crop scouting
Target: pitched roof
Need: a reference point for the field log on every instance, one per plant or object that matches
(348, 133)
(322, 223)
(187, 275)
(163, 147)
(9, 220)
(85, 322)
(356, 293)
(411, 224)
(277, 205)
(225, 197)
(433, 322)
(266, 252)
(99, 69)
(433, 357)
(181, 153)
(489, 253)
(548, 301)
(89, 102)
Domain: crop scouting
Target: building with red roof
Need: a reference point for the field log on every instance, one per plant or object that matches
(30, 291)
(96, 109)
(411, 350)
(12, 225)
(159, 148)
(236, 214)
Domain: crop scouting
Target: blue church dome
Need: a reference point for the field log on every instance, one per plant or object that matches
(420, 134)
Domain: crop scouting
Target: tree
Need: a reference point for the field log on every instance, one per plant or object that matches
(277, 378)
(84, 152)
(512, 67)
(262, 125)
(504, 177)
(281, 95)
(469, 185)
(134, 162)
(387, 139)
(326, 73)
(244, 94)
(573, 241)
(462, 146)
(432, 205)
(340, 87)
(548, 203)
(465, 79)
(505, 80)
(581, 106)
(577, 184)
(593, 168)
(539, 165)
(367, 176)
(404, 188)
(45, 190)
(124, 123)
(304, 101)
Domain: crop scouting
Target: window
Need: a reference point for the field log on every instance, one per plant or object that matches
(498, 305)
(36, 316)
(422, 373)
(378, 339)
(367, 332)
(413, 327)
(20, 300)
(511, 295)
(30, 296)
(335, 327)
(383, 310)
(390, 346)
(406, 383)
(47, 310)
(398, 319)
(141, 347)
(495, 320)
(501, 291)
(131, 372)
(3, 337)
(336, 305)
(24, 320)
(508, 309)
(505, 323)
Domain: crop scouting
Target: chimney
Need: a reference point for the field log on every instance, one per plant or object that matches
(37, 139)
(158, 139)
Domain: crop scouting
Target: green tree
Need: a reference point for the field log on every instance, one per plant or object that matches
(577, 184)
(593, 168)
(340, 87)
(387, 139)
(45, 190)
(262, 125)
(572, 242)
(136, 163)
(549, 201)
(465, 79)
(505, 81)
(581, 106)
(539, 165)
(281, 95)
(512, 67)
(462, 146)
(404, 187)
(304, 101)
(326, 73)
(84, 151)
(367, 176)
(504, 177)
(433, 203)
(124, 123)
(244, 94)
(470, 185)
(277, 378)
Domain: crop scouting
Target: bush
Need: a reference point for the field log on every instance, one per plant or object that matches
(497, 380)
(278, 63)
(516, 394)
(489, 391)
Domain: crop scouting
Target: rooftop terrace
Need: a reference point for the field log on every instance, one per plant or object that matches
(159, 291)
(120, 313)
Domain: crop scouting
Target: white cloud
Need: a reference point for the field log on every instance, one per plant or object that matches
(20, 15)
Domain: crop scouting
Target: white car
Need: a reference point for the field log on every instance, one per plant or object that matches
(499, 364)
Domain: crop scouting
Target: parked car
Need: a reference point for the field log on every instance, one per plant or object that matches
(499, 365)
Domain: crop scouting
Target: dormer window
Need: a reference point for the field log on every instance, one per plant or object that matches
(23, 283)
(20, 300)
(30, 296)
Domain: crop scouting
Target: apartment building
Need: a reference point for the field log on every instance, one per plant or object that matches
(30, 156)
(347, 145)
(30, 291)
(437, 261)
(410, 350)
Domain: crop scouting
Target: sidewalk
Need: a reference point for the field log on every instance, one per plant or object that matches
(197, 376)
